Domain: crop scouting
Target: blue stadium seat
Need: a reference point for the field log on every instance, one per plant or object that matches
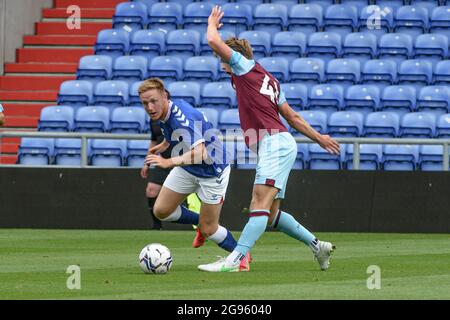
(148, 3)
(165, 16)
(288, 44)
(201, 69)
(112, 42)
(395, 46)
(394, 4)
(440, 20)
(364, 98)
(370, 156)
(131, 15)
(218, 95)
(136, 152)
(401, 98)
(343, 71)
(68, 152)
(95, 67)
(441, 74)
(229, 120)
(346, 124)
(148, 43)
(400, 157)
(377, 20)
(411, 20)
(238, 17)
(356, 3)
(434, 98)
(196, 16)
(443, 126)
(326, 45)
(92, 119)
(245, 158)
(418, 125)
(320, 159)
(250, 2)
(167, 68)
(134, 100)
(341, 19)
(301, 162)
(418, 73)
(185, 43)
(108, 152)
(382, 124)
(306, 70)
(35, 151)
(75, 93)
(260, 42)
(433, 47)
(56, 118)
(316, 119)
(430, 157)
(427, 4)
(111, 93)
(205, 49)
(130, 68)
(360, 46)
(380, 72)
(296, 94)
(277, 66)
(128, 120)
(211, 114)
(186, 90)
(289, 4)
(306, 18)
(270, 17)
(326, 97)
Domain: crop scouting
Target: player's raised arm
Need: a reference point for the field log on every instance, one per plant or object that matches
(214, 40)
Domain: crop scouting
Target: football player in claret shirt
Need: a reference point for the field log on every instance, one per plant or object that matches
(260, 102)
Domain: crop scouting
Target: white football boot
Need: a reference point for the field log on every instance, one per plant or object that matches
(324, 254)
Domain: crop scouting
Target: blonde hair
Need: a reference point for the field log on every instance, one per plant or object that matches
(150, 84)
(240, 45)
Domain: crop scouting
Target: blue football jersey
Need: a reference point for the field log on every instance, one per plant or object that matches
(185, 128)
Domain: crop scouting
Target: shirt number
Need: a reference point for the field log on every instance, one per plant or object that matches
(268, 90)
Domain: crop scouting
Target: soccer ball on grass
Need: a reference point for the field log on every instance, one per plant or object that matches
(155, 258)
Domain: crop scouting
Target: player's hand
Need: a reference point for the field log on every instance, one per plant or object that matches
(144, 172)
(215, 17)
(329, 144)
(158, 161)
(160, 148)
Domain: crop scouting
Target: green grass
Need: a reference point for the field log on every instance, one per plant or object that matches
(33, 265)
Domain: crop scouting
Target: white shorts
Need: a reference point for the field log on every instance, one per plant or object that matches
(209, 190)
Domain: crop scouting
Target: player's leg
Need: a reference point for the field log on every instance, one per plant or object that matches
(152, 192)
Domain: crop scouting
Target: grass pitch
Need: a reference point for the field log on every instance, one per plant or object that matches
(33, 265)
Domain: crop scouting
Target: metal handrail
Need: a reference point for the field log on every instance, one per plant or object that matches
(84, 136)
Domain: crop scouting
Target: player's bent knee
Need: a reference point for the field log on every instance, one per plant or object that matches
(160, 212)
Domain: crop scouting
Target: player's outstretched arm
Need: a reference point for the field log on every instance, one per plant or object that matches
(214, 40)
(298, 123)
(194, 156)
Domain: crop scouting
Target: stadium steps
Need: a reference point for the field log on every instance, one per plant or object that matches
(61, 13)
(60, 28)
(59, 40)
(52, 68)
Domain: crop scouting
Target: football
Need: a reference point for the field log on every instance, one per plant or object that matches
(155, 258)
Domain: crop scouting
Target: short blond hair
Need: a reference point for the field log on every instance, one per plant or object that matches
(150, 84)
(240, 45)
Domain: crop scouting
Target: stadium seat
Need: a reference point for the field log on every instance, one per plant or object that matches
(443, 126)
(316, 119)
(346, 124)
(205, 49)
(370, 156)
(341, 19)
(211, 115)
(111, 93)
(305, 18)
(260, 42)
(250, 2)
(417, 73)
(218, 95)
(229, 120)
(325, 45)
(112, 42)
(270, 17)
(128, 120)
(130, 68)
(356, 3)
(134, 100)
(95, 67)
(108, 152)
(165, 16)
(326, 97)
(441, 74)
(301, 162)
(75, 93)
(201, 69)
(167, 68)
(431, 157)
(411, 20)
(364, 98)
(418, 125)
(307, 70)
(238, 17)
(379, 72)
(382, 125)
(36, 151)
(131, 15)
(245, 158)
(296, 94)
(288, 44)
(433, 47)
(400, 157)
(394, 4)
(401, 98)
(136, 152)
(440, 20)
(377, 20)
(360, 46)
(92, 119)
(322, 3)
(277, 66)
(148, 43)
(186, 90)
(68, 152)
(343, 71)
(434, 98)
(427, 4)
(320, 159)
(56, 118)
(395, 46)
(196, 16)
(148, 3)
(185, 43)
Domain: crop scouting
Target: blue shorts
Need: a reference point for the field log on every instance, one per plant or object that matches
(276, 157)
